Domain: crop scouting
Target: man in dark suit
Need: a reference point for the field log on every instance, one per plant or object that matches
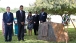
(20, 15)
(8, 21)
(42, 16)
(36, 23)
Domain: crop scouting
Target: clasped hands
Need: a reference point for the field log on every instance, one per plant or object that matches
(9, 23)
(22, 23)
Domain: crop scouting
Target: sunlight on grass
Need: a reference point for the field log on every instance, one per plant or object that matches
(33, 38)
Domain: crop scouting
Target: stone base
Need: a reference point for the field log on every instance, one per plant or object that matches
(51, 32)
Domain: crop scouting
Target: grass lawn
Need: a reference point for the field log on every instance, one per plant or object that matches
(33, 38)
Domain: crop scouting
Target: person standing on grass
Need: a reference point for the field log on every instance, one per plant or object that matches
(36, 23)
(8, 22)
(30, 23)
(20, 15)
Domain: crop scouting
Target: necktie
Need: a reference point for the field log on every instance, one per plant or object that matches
(8, 14)
(21, 13)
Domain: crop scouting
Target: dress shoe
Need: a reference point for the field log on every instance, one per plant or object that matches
(23, 40)
(6, 40)
(19, 40)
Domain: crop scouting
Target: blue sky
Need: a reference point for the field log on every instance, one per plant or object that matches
(16, 3)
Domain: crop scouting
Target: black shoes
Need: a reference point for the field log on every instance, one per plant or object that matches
(19, 40)
(22, 40)
(7, 40)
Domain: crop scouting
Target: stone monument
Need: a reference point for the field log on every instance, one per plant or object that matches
(51, 31)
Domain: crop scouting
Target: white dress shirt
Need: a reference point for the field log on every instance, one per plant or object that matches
(42, 13)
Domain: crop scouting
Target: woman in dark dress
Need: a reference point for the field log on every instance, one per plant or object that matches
(30, 23)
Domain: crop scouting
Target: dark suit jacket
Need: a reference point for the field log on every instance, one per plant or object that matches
(43, 17)
(36, 19)
(19, 17)
(6, 19)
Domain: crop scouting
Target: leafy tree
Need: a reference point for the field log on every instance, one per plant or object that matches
(55, 6)
(2, 10)
(14, 10)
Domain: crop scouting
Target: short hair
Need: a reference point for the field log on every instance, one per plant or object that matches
(21, 5)
(30, 12)
(7, 7)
